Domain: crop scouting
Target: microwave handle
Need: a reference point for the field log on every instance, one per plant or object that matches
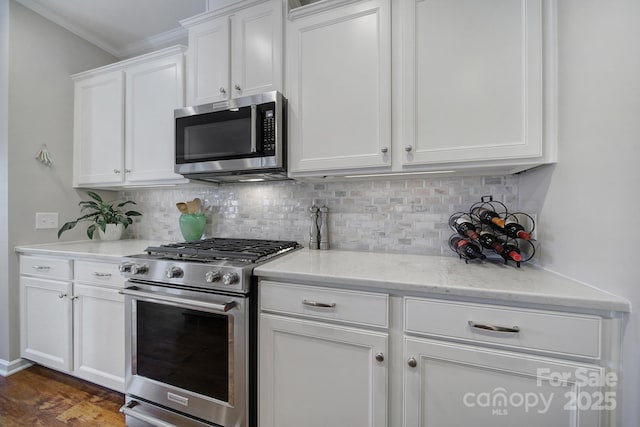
(254, 120)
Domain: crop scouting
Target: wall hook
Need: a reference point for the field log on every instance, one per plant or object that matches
(43, 156)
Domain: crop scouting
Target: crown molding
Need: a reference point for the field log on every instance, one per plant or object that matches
(168, 38)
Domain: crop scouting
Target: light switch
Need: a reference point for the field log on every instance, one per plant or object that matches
(46, 220)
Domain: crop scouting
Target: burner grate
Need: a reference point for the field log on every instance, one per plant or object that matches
(224, 248)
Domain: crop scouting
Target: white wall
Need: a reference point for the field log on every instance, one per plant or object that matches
(41, 57)
(589, 202)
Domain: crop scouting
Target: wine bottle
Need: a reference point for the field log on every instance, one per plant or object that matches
(465, 248)
(464, 226)
(511, 252)
(515, 230)
(488, 216)
(490, 241)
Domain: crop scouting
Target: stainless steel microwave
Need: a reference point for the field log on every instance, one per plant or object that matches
(241, 139)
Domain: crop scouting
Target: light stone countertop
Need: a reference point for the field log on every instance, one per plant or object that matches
(90, 249)
(440, 277)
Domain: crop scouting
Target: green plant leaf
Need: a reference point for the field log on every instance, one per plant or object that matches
(133, 213)
(95, 196)
(67, 226)
(91, 230)
(126, 203)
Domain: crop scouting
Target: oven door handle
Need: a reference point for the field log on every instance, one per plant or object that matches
(223, 307)
(130, 412)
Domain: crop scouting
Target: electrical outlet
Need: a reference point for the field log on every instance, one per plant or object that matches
(46, 220)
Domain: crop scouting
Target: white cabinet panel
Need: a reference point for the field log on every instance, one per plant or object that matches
(339, 77)
(99, 129)
(153, 91)
(303, 367)
(208, 62)
(45, 322)
(99, 336)
(455, 385)
(472, 81)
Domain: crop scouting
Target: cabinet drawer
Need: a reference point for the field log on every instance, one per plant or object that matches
(547, 331)
(102, 273)
(323, 303)
(51, 268)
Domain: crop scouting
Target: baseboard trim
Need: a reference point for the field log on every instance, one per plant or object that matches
(9, 368)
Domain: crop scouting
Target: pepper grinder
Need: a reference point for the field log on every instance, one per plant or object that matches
(324, 229)
(314, 232)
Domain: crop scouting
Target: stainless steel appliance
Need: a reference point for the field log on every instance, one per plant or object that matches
(191, 316)
(241, 139)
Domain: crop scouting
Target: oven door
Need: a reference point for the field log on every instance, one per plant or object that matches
(186, 351)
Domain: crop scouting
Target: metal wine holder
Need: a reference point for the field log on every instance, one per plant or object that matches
(527, 248)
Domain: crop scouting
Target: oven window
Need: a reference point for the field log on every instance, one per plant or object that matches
(214, 136)
(185, 348)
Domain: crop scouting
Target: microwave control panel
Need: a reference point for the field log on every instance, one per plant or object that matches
(268, 115)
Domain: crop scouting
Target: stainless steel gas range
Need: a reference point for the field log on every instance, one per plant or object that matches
(191, 316)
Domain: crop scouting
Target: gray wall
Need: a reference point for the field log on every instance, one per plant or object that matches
(5, 324)
(589, 202)
(41, 57)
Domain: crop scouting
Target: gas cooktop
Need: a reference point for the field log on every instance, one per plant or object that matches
(248, 250)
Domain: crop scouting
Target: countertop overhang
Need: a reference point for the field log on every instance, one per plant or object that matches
(439, 276)
(90, 249)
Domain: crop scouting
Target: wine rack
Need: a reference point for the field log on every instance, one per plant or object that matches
(488, 231)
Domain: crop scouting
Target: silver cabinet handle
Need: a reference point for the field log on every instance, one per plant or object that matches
(237, 87)
(318, 304)
(487, 327)
(101, 275)
(222, 90)
(41, 267)
(62, 295)
(384, 150)
(412, 362)
(116, 171)
(380, 357)
(74, 297)
(127, 171)
(408, 148)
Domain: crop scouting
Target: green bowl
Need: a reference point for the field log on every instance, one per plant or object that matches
(192, 226)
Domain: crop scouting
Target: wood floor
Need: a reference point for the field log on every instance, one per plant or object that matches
(38, 396)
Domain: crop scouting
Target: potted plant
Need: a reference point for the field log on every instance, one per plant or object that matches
(107, 217)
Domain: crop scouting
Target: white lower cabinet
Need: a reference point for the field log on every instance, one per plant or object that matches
(318, 373)
(72, 318)
(45, 330)
(98, 335)
(447, 384)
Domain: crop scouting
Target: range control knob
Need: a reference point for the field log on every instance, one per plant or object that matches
(174, 272)
(212, 276)
(230, 278)
(139, 269)
(125, 267)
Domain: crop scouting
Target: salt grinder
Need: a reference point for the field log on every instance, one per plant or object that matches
(314, 232)
(324, 229)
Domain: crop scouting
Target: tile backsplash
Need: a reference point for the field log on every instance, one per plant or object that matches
(382, 215)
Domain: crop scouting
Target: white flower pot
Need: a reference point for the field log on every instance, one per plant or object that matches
(112, 232)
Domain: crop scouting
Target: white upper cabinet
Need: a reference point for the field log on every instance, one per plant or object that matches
(99, 129)
(475, 79)
(339, 87)
(124, 122)
(235, 51)
(153, 90)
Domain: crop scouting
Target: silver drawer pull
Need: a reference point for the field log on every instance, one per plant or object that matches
(41, 267)
(101, 275)
(512, 330)
(318, 304)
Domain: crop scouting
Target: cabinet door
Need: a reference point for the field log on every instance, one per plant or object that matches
(472, 81)
(316, 375)
(99, 336)
(98, 136)
(256, 49)
(208, 62)
(45, 316)
(153, 90)
(339, 75)
(456, 385)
